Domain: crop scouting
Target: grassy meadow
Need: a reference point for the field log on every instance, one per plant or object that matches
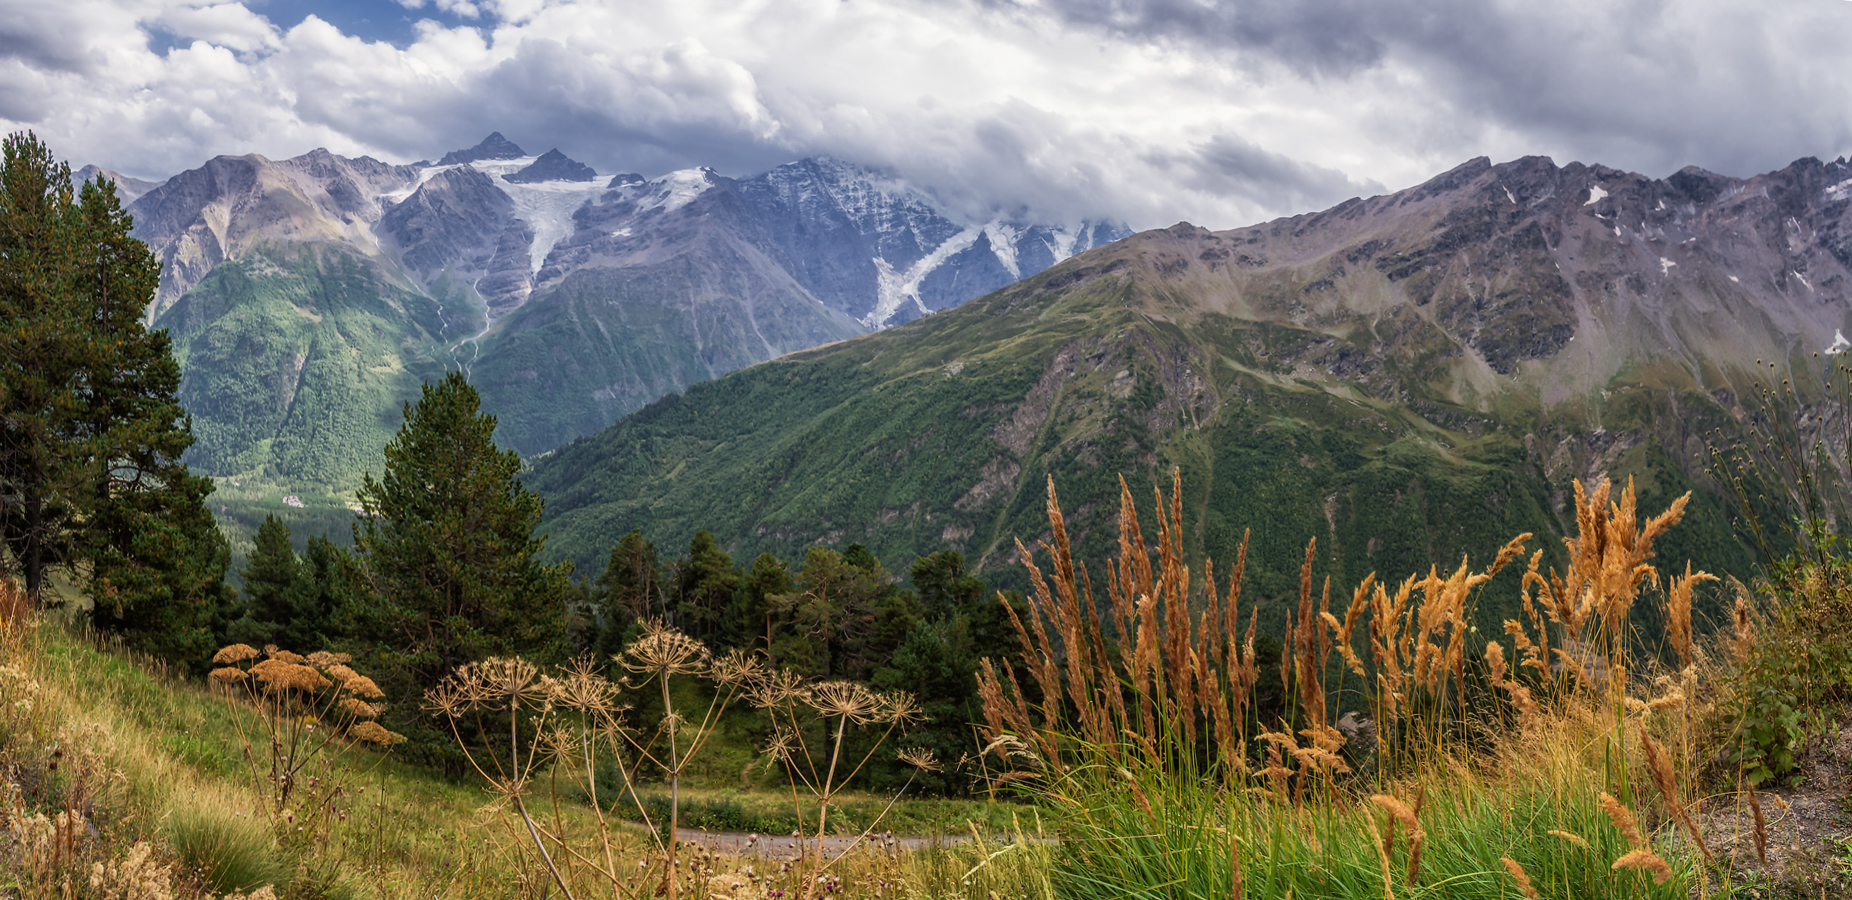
(1139, 746)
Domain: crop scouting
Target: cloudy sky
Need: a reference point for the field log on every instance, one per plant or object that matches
(1221, 113)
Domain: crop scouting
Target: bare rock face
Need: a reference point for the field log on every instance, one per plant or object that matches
(209, 215)
(492, 147)
(554, 166)
(454, 219)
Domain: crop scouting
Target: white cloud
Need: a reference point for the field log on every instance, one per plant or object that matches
(1158, 111)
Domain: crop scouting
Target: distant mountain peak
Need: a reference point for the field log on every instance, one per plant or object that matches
(492, 147)
(554, 166)
(127, 188)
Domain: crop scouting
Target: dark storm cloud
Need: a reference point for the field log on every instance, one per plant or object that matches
(1228, 166)
(1643, 84)
(1145, 110)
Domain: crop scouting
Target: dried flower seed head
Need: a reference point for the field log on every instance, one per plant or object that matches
(228, 675)
(783, 745)
(852, 701)
(322, 659)
(271, 651)
(901, 707)
(359, 709)
(781, 688)
(1495, 661)
(664, 651)
(447, 699)
(282, 675)
(341, 673)
(502, 681)
(582, 689)
(738, 669)
(362, 686)
(374, 733)
(920, 758)
(235, 653)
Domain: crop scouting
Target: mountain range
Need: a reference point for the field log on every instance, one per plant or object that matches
(1405, 378)
(308, 298)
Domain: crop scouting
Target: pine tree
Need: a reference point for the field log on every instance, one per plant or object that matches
(91, 431)
(446, 539)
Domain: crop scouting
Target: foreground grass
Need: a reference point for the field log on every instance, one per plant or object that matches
(132, 754)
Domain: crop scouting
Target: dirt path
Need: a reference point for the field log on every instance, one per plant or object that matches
(739, 843)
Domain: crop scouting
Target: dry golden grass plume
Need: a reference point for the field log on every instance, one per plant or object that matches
(1521, 877)
(1744, 631)
(1761, 824)
(1678, 611)
(1623, 820)
(1645, 860)
(13, 605)
(1663, 778)
(1607, 564)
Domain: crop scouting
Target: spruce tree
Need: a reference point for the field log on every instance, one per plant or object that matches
(446, 539)
(628, 593)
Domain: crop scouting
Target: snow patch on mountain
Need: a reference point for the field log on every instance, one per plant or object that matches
(547, 208)
(1595, 193)
(675, 190)
(1840, 344)
(893, 289)
(1003, 243)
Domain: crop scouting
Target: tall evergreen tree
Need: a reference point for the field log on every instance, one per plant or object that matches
(446, 538)
(706, 582)
(629, 592)
(91, 432)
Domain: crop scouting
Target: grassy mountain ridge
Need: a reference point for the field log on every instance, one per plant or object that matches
(1407, 378)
